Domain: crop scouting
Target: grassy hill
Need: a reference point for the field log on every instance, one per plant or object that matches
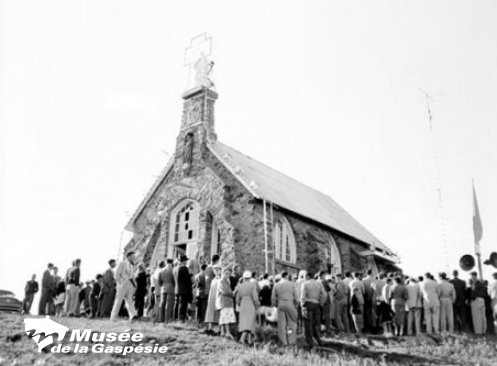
(187, 346)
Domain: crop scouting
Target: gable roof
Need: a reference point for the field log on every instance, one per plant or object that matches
(269, 184)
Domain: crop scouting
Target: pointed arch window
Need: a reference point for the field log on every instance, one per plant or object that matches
(185, 223)
(334, 259)
(285, 248)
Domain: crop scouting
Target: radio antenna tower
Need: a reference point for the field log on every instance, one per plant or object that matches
(441, 206)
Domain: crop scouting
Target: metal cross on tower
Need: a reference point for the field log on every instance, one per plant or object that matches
(198, 62)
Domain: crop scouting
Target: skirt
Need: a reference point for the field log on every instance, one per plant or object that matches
(400, 315)
(227, 316)
(247, 315)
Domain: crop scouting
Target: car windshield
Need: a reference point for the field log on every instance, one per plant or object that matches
(6, 293)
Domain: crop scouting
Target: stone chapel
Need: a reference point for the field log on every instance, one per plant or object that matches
(212, 199)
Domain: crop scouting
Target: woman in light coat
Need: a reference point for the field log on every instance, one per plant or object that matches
(247, 302)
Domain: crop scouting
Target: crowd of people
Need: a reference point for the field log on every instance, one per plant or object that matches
(221, 299)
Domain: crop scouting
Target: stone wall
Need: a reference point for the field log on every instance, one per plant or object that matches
(242, 216)
(205, 188)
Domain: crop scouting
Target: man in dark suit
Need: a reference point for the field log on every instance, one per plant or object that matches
(95, 303)
(47, 286)
(141, 281)
(460, 318)
(202, 294)
(108, 291)
(30, 290)
(168, 284)
(183, 289)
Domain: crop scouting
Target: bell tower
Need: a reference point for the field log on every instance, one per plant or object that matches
(197, 122)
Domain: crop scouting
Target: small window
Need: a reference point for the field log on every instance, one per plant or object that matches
(216, 247)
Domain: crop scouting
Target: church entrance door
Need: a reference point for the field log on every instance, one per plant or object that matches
(179, 250)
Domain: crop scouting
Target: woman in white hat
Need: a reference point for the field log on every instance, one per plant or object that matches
(247, 301)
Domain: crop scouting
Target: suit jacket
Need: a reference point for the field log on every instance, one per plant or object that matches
(166, 280)
(95, 290)
(430, 291)
(183, 281)
(31, 287)
(141, 281)
(73, 276)
(201, 285)
(284, 292)
(48, 281)
(460, 287)
(108, 281)
(125, 273)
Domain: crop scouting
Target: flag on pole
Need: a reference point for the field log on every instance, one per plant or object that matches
(477, 226)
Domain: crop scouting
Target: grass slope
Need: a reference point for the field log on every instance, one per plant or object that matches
(187, 346)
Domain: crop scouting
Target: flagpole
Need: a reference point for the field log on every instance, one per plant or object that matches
(477, 231)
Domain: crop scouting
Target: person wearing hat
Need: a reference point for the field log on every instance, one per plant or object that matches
(225, 303)
(247, 301)
(183, 290)
(284, 298)
(125, 287)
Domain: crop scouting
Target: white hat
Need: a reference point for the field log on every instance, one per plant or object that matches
(247, 274)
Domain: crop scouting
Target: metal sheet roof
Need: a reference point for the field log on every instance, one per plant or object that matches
(267, 183)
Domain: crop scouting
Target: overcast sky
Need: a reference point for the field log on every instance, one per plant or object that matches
(328, 92)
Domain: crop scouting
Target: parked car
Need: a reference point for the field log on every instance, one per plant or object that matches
(9, 303)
